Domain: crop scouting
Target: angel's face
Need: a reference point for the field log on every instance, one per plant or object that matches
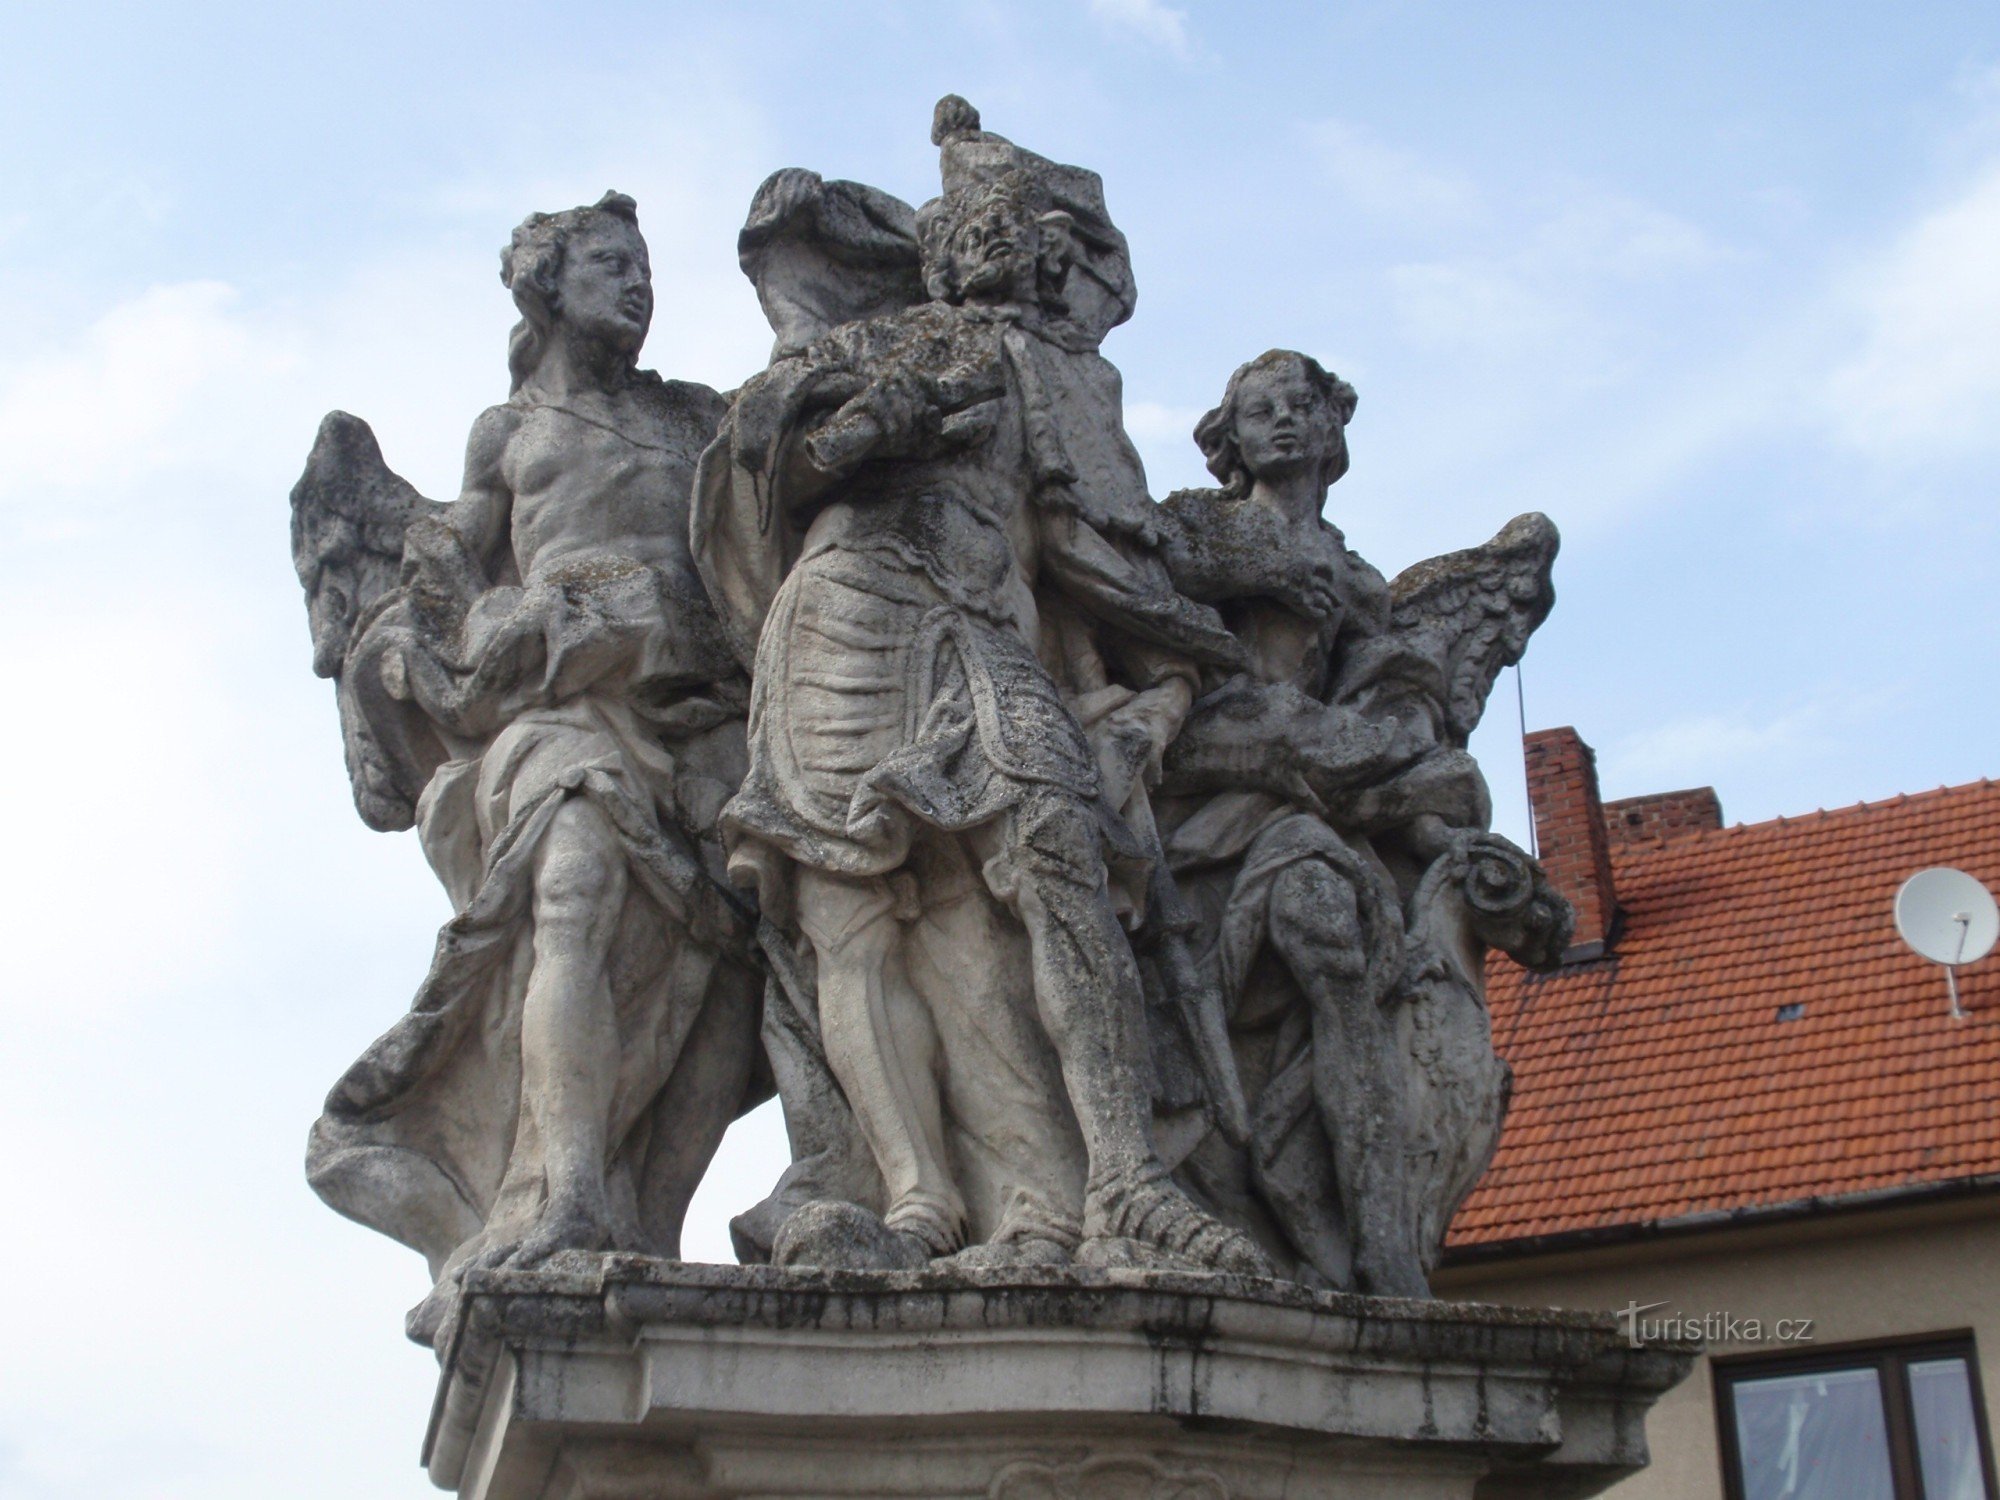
(605, 288)
(1283, 424)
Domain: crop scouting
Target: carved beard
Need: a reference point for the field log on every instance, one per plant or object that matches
(993, 258)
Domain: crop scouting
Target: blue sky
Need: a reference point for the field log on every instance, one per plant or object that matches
(1715, 285)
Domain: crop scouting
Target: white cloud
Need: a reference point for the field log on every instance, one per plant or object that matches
(197, 932)
(1609, 234)
(1694, 749)
(116, 404)
(1567, 227)
(1470, 304)
(1157, 422)
(1535, 276)
(1159, 24)
(1827, 741)
(197, 378)
(1164, 436)
(124, 841)
(192, 378)
(203, 378)
(748, 1163)
(1550, 277)
(1926, 377)
(1538, 309)
(1389, 183)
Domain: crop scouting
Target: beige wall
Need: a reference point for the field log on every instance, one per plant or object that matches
(1859, 1276)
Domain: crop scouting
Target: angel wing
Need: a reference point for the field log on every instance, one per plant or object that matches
(349, 517)
(349, 513)
(1468, 614)
(826, 253)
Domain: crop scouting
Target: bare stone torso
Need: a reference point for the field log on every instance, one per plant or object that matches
(599, 483)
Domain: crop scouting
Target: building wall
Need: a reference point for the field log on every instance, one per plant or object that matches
(1859, 1276)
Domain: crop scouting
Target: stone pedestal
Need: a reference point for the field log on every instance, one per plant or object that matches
(642, 1380)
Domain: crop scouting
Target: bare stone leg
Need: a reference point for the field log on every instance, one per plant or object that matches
(1316, 929)
(1019, 1150)
(882, 1047)
(698, 1104)
(569, 1027)
(1051, 869)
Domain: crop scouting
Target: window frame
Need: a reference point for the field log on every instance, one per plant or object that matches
(1890, 1359)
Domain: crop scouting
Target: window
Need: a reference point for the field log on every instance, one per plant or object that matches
(1901, 1421)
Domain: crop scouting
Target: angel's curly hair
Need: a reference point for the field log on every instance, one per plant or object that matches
(1215, 434)
(531, 266)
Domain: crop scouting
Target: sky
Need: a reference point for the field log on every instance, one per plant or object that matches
(1716, 286)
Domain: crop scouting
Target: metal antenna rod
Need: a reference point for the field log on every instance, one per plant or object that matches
(1527, 786)
(1964, 920)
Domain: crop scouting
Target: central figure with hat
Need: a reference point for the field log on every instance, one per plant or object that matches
(930, 535)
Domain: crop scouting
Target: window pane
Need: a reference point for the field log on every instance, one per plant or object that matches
(1813, 1437)
(1947, 1437)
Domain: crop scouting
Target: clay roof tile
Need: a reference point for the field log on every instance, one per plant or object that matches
(1659, 1082)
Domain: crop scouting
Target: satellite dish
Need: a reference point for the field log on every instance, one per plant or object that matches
(1948, 918)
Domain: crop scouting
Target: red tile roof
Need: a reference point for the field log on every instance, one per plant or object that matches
(1659, 1083)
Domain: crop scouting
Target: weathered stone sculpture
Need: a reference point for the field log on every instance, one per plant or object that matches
(1323, 811)
(933, 540)
(534, 676)
(1107, 882)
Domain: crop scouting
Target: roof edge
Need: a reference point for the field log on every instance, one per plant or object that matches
(1489, 1252)
(1877, 804)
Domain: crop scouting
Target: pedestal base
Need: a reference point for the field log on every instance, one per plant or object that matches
(644, 1380)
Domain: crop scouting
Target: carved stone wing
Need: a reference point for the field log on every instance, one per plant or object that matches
(349, 513)
(826, 253)
(1468, 614)
(349, 518)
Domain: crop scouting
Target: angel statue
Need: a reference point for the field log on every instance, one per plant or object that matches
(1321, 812)
(926, 527)
(533, 676)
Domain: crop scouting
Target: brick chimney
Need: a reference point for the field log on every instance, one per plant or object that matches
(1663, 815)
(1569, 828)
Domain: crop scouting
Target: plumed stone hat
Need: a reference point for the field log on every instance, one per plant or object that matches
(1100, 290)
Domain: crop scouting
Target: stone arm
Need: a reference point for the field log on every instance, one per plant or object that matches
(1248, 735)
(481, 519)
(1206, 563)
(1218, 548)
(1152, 627)
(822, 254)
(444, 652)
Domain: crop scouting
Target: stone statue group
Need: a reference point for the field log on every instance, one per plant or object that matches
(1094, 879)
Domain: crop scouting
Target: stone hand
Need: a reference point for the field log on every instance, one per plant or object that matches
(1307, 584)
(508, 652)
(889, 417)
(1147, 725)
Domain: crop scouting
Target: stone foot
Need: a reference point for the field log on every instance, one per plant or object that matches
(1392, 1277)
(1147, 1220)
(422, 1323)
(835, 1236)
(1018, 1252)
(570, 1223)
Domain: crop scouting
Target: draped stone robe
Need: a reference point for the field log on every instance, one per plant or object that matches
(926, 629)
